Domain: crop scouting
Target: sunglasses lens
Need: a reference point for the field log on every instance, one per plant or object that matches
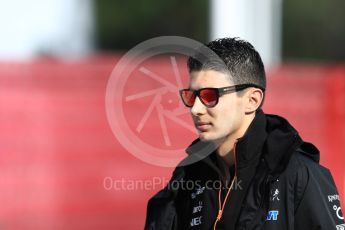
(209, 97)
(188, 97)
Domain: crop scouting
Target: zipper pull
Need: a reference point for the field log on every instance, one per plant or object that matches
(220, 213)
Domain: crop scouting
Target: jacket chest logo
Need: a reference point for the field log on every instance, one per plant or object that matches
(197, 207)
(272, 215)
(197, 192)
(274, 193)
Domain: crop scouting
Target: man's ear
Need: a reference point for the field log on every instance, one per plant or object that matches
(254, 97)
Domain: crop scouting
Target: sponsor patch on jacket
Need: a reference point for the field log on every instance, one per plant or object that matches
(272, 215)
(338, 212)
(332, 198)
(340, 227)
(195, 221)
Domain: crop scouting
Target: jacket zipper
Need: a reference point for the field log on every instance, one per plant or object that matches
(220, 205)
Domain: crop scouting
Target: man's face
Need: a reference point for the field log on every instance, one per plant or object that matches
(226, 118)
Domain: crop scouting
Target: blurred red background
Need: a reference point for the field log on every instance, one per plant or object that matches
(59, 156)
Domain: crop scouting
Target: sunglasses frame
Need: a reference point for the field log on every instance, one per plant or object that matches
(219, 92)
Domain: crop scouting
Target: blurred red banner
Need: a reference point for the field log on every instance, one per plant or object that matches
(61, 167)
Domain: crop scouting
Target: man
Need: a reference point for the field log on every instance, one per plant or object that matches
(268, 177)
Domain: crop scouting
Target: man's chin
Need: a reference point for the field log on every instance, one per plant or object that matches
(207, 137)
(204, 137)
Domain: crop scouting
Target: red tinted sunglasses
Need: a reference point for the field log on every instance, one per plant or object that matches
(210, 96)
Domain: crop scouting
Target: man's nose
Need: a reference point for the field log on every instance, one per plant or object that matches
(198, 108)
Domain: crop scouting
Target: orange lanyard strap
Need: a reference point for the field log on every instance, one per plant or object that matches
(220, 205)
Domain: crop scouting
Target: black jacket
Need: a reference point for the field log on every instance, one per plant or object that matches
(279, 184)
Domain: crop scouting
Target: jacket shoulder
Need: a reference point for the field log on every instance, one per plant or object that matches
(308, 161)
(317, 194)
(304, 172)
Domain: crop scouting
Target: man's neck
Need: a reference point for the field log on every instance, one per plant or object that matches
(226, 151)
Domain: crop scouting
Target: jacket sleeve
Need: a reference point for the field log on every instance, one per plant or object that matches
(319, 206)
(161, 211)
(161, 208)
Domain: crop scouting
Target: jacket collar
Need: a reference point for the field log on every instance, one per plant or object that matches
(268, 136)
(282, 141)
(250, 146)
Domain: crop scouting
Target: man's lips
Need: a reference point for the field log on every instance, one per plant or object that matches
(203, 126)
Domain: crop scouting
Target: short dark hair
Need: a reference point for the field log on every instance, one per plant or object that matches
(241, 61)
